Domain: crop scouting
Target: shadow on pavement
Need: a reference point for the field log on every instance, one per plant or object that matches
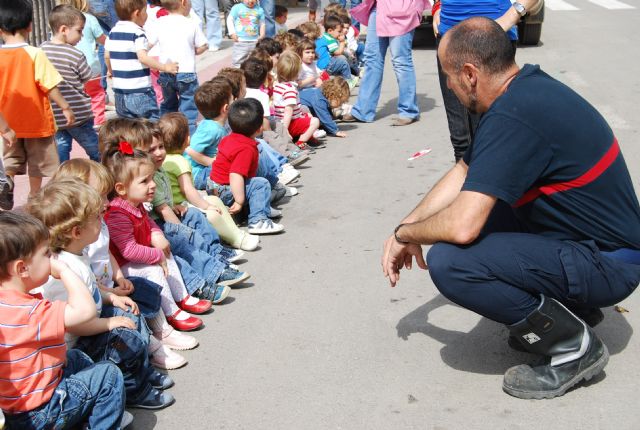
(143, 420)
(425, 104)
(484, 348)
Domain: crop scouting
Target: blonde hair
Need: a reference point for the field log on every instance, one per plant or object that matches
(62, 205)
(288, 67)
(81, 5)
(83, 168)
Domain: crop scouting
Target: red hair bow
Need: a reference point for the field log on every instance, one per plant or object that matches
(125, 148)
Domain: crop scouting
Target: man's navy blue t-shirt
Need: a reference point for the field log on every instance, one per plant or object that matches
(541, 133)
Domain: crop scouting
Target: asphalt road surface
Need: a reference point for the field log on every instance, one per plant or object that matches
(320, 341)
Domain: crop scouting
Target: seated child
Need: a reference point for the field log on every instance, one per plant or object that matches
(213, 100)
(233, 175)
(310, 74)
(33, 397)
(137, 242)
(281, 19)
(110, 278)
(72, 211)
(321, 101)
(286, 102)
(329, 49)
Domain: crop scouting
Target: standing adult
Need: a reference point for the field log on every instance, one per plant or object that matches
(269, 7)
(390, 25)
(448, 13)
(209, 13)
(538, 226)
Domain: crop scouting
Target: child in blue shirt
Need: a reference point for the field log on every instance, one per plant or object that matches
(329, 48)
(246, 26)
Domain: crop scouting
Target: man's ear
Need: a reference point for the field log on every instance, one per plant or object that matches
(120, 189)
(470, 74)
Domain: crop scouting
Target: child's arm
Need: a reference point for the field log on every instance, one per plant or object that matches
(236, 181)
(80, 305)
(101, 325)
(168, 67)
(286, 117)
(263, 28)
(199, 157)
(7, 132)
(231, 28)
(121, 234)
(202, 49)
(341, 46)
(56, 96)
(311, 80)
(124, 286)
(122, 302)
(192, 195)
(266, 125)
(167, 213)
(107, 62)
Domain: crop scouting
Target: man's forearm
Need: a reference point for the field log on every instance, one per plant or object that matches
(440, 196)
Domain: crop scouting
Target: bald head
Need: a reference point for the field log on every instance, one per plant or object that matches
(478, 41)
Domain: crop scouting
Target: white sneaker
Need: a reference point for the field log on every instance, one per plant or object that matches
(288, 175)
(319, 134)
(274, 213)
(249, 242)
(214, 48)
(127, 419)
(291, 191)
(164, 358)
(265, 226)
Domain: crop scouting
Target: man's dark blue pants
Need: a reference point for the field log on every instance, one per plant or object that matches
(502, 274)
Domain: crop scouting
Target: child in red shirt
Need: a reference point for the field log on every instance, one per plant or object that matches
(233, 174)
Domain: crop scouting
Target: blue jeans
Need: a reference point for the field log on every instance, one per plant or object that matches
(208, 12)
(502, 274)
(146, 294)
(375, 50)
(178, 92)
(105, 12)
(127, 349)
(199, 264)
(87, 392)
(257, 195)
(269, 7)
(137, 105)
(275, 157)
(84, 134)
(266, 167)
(339, 66)
(200, 177)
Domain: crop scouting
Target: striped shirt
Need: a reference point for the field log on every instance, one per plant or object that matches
(32, 350)
(130, 231)
(286, 94)
(75, 71)
(124, 42)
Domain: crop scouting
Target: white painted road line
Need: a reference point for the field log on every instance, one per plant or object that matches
(559, 5)
(611, 4)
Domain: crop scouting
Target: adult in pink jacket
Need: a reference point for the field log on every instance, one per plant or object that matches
(390, 25)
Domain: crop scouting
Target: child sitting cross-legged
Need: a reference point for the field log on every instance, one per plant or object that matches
(72, 211)
(110, 278)
(233, 175)
(137, 242)
(40, 373)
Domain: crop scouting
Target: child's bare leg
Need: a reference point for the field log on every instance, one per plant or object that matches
(35, 183)
(313, 126)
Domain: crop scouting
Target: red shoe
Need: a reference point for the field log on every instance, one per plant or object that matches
(188, 324)
(198, 308)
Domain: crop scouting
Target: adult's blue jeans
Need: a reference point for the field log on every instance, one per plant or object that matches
(178, 92)
(257, 196)
(502, 274)
(84, 134)
(269, 7)
(209, 13)
(137, 105)
(87, 392)
(105, 12)
(375, 51)
(127, 349)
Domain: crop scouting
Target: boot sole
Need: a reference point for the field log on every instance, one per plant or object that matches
(586, 374)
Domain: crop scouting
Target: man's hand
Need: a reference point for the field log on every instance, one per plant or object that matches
(235, 208)
(116, 322)
(395, 255)
(124, 303)
(124, 287)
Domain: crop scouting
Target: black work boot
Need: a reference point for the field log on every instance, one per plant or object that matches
(575, 353)
(592, 316)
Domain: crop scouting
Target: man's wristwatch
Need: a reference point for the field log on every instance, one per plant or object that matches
(395, 234)
(519, 7)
